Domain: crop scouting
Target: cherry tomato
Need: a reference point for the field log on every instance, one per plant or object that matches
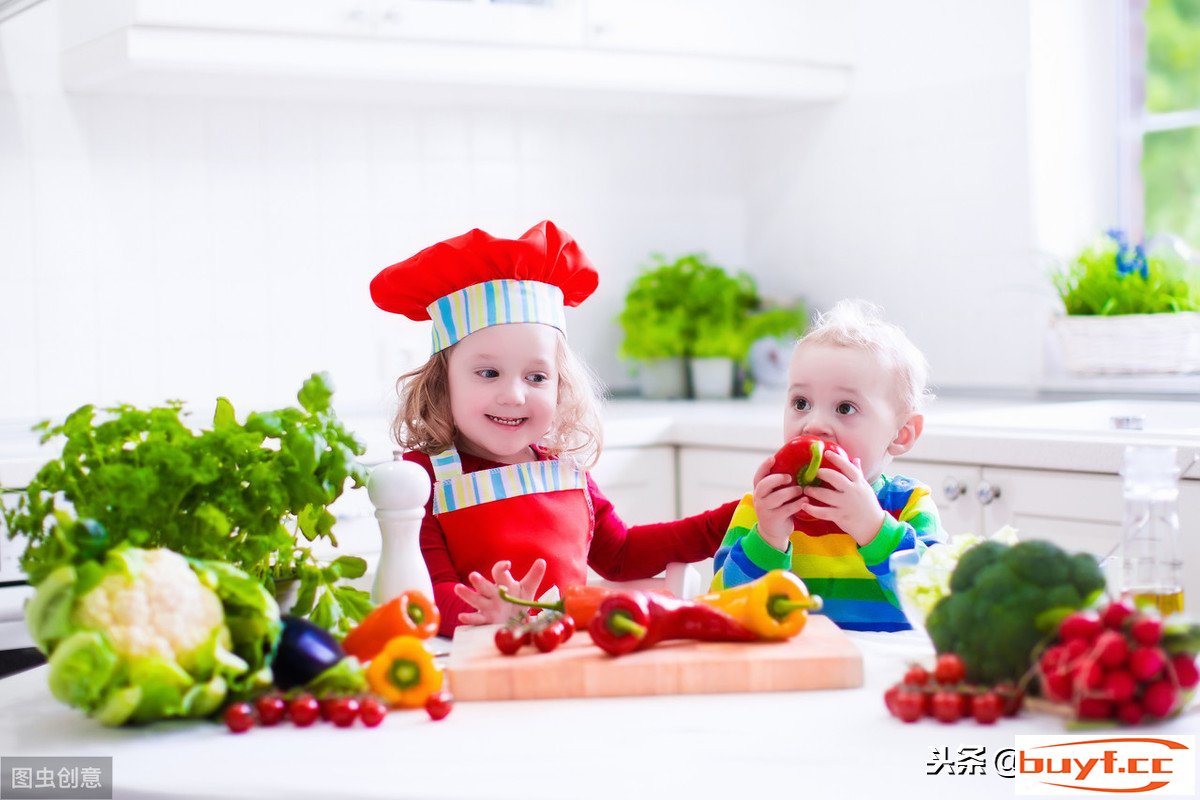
(568, 624)
(439, 704)
(270, 708)
(949, 668)
(987, 707)
(239, 717)
(547, 638)
(910, 704)
(947, 706)
(371, 711)
(326, 705)
(343, 711)
(889, 699)
(1012, 697)
(304, 710)
(916, 676)
(508, 641)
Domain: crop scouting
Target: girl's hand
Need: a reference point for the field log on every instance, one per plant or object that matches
(850, 502)
(485, 598)
(776, 499)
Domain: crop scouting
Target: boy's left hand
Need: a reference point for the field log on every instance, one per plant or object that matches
(850, 502)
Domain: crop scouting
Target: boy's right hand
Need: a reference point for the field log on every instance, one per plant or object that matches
(777, 498)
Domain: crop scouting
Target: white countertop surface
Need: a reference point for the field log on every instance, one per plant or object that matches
(793, 744)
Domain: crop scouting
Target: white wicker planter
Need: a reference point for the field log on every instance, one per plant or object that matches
(1130, 343)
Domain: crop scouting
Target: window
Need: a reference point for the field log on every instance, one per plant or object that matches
(1165, 103)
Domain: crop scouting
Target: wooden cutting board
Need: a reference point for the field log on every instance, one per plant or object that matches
(821, 657)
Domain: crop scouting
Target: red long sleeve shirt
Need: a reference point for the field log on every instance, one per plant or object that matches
(617, 552)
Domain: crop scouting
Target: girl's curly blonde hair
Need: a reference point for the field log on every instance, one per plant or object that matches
(424, 422)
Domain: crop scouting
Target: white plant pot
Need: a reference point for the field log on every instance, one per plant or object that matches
(1130, 343)
(712, 378)
(662, 379)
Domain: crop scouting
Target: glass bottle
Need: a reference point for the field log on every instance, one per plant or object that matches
(1150, 554)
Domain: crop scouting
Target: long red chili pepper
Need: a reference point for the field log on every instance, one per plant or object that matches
(637, 620)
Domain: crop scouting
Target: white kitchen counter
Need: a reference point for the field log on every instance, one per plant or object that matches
(793, 744)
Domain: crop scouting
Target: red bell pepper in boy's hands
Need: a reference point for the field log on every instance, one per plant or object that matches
(801, 458)
(636, 620)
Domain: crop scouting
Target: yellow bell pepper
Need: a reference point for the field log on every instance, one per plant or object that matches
(404, 674)
(774, 606)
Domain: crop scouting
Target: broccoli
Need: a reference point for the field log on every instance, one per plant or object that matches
(149, 634)
(1004, 599)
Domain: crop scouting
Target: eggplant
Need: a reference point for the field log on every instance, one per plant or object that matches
(305, 651)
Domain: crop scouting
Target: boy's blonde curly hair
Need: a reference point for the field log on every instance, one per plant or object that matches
(424, 422)
(860, 324)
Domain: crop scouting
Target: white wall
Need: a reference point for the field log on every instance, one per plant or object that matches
(942, 184)
(160, 247)
(154, 248)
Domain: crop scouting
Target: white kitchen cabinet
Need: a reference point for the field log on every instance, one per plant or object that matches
(639, 481)
(529, 52)
(709, 477)
(1081, 512)
(757, 29)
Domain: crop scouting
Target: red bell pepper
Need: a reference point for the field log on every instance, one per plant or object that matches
(631, 621)
(801, 458)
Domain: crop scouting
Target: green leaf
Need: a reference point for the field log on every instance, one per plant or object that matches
(224, 417)
(349, 566)
(316, 393)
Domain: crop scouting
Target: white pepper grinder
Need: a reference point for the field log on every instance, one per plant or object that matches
(399, 489)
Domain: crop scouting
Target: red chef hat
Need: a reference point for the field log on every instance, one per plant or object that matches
(476, 280)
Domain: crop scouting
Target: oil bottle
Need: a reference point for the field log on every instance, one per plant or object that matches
(1151, 566)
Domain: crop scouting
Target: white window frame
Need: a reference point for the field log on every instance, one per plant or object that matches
(1135, 121)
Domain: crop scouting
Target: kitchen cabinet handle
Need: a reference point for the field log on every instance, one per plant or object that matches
(986, 493)
(953, 488)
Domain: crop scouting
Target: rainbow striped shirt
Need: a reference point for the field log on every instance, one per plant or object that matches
(856, 583)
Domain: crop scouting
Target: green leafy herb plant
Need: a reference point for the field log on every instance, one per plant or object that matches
(253, 494)
(1111, 278)
(687, 307)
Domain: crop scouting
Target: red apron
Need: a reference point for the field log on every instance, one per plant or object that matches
(517, 513)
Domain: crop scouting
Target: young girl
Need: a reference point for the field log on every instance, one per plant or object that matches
(491, 412)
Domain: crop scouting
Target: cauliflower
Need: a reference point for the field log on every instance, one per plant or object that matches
(922, 585)
(167, 612)
(148, 634)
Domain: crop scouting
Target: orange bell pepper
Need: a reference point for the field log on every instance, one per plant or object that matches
(774, 606)
(410, 614)
(404, 673)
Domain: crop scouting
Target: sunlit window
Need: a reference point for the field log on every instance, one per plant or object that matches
(1167, 80)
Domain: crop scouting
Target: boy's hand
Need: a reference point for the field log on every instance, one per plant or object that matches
(485, 598)
(850, 502)
(776, 499)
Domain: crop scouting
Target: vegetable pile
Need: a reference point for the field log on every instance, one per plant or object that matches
(148, 634)
(1004, 600)
(242, 493)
